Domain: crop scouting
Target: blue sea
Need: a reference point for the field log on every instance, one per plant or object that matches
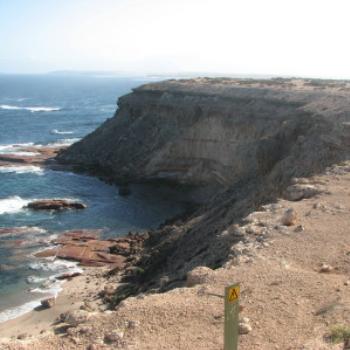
(48, 110)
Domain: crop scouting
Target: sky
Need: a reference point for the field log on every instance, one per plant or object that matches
(262, 37)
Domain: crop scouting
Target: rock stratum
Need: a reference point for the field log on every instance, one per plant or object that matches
(244, 140)
(215, 131)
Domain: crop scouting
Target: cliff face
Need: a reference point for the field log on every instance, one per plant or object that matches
(245, 139)
(203, 131)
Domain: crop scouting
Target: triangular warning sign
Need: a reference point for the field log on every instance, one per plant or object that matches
(233, 294)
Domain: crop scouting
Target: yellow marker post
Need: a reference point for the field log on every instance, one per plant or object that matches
(232, 294)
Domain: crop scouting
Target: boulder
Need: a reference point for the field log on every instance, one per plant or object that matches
(298, 192)
(199, 275)
(289, 218)
(55, 204)
(68, 276)
(244, 326)
(114, 337)
(109, 290)
(74, 318)
(325, 268)
(48, 303)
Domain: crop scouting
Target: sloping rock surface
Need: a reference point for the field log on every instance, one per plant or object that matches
(242, 140)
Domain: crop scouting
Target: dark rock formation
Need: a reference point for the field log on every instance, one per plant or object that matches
(55, 204)
(207, 131)
(48, 303)
(243, 139)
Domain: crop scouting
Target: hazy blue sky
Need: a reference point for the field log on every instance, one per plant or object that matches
(290, 37)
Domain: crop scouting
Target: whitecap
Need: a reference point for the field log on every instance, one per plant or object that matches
(12, 204)
(31, 109)
(58, 132)
(43, 109)
(23, 169)
(9, 107)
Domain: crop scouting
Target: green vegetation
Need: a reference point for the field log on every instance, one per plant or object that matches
(339, 333)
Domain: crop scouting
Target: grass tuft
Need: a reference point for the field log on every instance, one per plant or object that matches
(339, 333)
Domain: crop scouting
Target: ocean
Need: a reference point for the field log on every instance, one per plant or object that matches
(51, 109)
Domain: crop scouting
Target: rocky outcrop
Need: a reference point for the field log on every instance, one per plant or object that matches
(55, 204)
(244, 140)
(85, 247)
(31, 155)
(208, 131)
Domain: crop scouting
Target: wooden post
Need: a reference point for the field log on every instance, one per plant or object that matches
(231, 317)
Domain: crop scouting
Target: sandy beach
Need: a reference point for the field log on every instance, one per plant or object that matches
(75, 293)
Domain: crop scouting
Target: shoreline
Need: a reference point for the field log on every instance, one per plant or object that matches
(39, 321)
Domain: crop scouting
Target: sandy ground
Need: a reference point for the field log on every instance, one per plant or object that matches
(291, 304)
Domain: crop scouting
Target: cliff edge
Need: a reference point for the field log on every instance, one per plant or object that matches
(211, 131)
(246, 140)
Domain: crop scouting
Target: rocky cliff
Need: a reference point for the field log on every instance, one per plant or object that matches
(206, 131)
(246, 139)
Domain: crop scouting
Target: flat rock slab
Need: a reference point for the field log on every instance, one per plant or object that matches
(55, 204)
(84, 246)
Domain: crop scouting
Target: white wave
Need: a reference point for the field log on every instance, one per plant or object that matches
(58, 132)
(31, 109)
(12, 204)
(63, 142)
(56, 265)
(43, 109)
(14, 147)
(15, 312)
(50, 287)
(9, 107)
(17, 149)
(35, 279)
(23, 169)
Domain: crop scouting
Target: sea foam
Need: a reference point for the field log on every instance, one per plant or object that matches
(12, 204)
(58, 132)
(16, 149)
(59, 266)
(30, 109)
(22, 169)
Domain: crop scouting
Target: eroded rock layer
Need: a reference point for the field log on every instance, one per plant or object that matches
(246, 140)
(208, 131)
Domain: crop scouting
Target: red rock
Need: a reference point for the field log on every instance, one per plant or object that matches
(81, 235)
(42, 155)
(46, 253)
